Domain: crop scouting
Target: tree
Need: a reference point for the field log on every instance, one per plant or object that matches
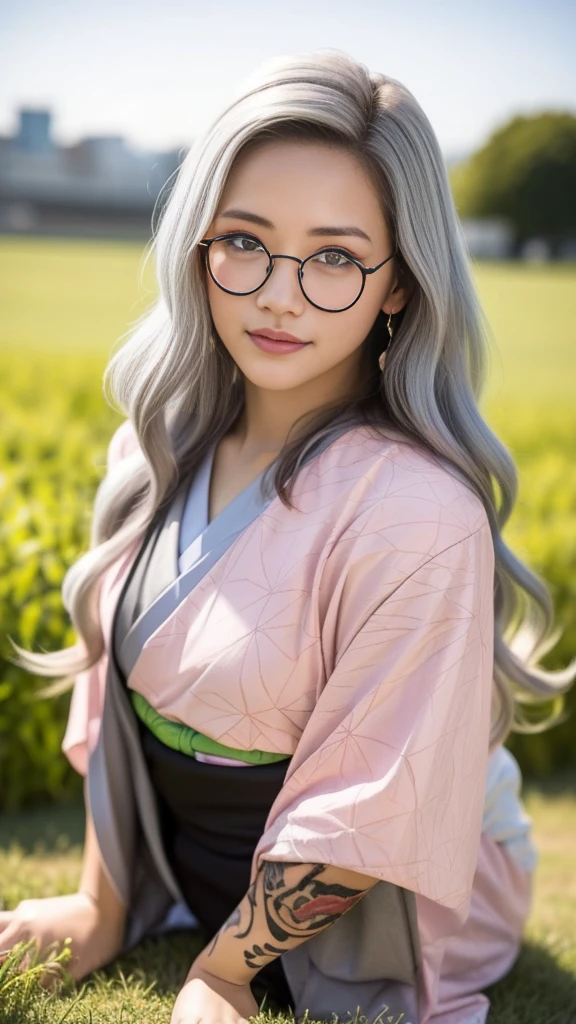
(526, 173)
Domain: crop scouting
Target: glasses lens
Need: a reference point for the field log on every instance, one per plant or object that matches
(239, 263)
(331, 280)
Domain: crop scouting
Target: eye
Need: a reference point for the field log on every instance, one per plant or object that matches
(333, 259)
(243, 243)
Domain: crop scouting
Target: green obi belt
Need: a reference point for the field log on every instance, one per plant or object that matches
(187, 740)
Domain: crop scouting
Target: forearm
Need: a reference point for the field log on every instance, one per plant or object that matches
(286, 905)
(94, 881)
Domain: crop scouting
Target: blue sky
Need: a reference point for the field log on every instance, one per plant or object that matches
(158, 72)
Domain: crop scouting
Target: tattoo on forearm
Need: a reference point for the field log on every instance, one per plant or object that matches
(291, 912)
(229, 923)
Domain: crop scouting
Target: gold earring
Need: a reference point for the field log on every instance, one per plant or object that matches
(382, 356)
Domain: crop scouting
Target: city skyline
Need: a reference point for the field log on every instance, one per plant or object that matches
(110, 71)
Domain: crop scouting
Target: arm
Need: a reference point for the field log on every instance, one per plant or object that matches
(403, 720)
(94, 883)
(389, 774)
(286, 905)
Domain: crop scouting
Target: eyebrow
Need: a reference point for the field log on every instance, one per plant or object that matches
(314, 232)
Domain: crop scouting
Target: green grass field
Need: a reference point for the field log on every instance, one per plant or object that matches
(65, 306)
(40, 855)
(64, 297)
(67, 295)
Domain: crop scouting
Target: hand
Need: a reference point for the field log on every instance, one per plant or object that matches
(207, 998)
(49, 921)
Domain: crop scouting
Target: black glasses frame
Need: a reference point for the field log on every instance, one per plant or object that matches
(207, 242)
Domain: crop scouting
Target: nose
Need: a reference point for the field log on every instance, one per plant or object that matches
(281, 293)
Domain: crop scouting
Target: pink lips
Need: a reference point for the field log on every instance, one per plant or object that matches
(278, 344)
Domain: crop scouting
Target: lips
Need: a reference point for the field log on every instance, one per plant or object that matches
(274, 347)
(279, 336)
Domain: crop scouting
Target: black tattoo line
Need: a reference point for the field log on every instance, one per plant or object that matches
(295, 912)
(291, 913)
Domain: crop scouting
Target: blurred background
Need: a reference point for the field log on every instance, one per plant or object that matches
(98, 106)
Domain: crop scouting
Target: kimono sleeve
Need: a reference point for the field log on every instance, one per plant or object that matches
(389, 775)
(87, 699)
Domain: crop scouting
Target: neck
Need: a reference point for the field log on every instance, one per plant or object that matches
(268, 420)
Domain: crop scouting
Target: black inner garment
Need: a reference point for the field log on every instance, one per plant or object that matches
(212, 817)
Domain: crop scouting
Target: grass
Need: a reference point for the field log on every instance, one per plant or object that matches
(65, 304)
(80, 295)
(40, 855)
(77, 298)
(68, 297)
(532, 314)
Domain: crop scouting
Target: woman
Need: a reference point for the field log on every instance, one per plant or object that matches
(292, 684)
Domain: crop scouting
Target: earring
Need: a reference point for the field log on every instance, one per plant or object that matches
(382, 356)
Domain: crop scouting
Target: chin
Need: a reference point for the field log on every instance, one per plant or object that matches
(278, 378)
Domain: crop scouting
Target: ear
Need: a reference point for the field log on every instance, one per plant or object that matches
(400, 293)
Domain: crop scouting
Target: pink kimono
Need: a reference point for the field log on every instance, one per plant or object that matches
(355, 634)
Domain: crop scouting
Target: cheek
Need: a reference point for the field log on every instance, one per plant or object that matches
(345, 332)
(215, 297)
(226, 309)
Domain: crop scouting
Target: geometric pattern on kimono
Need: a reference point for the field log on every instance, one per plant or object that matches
(343, 966)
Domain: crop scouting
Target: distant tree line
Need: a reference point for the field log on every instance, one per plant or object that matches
(526, 173)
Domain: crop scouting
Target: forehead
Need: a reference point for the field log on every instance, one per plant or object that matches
(303, 183)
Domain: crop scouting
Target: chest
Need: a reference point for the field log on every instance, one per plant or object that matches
(239, 658)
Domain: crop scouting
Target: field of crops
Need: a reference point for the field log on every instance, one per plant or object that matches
(66, 304)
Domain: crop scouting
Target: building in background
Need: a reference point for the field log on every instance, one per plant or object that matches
(100, 187)
(34, 135)
(489, 238)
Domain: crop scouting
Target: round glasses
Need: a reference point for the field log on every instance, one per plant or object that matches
(330, 279)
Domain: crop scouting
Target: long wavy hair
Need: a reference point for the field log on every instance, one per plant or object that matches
(181, 390)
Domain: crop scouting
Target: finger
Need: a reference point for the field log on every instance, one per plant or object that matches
(8, 939)
(6, 916)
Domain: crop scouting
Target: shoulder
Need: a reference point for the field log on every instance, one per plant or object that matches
(382, 486)
(123, 442)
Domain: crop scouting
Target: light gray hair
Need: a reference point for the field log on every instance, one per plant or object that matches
(176, 382)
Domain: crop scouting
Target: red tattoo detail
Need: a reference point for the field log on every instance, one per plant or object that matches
(329, 904)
